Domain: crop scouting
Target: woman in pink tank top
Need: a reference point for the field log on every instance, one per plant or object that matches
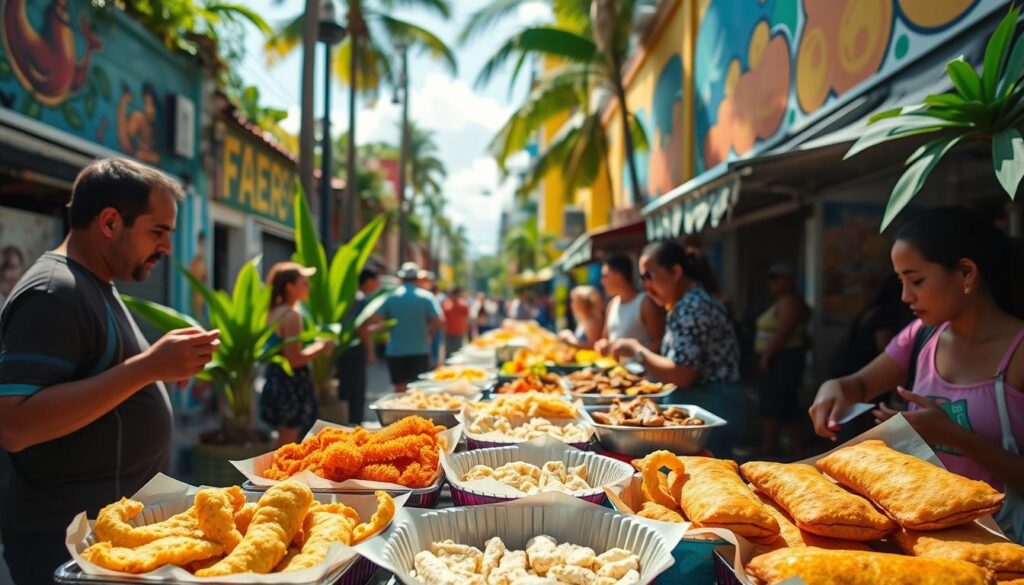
(962, 277)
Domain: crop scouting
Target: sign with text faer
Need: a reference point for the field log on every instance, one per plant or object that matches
(256, 178)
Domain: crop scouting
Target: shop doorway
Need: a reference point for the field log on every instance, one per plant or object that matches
(275, 249)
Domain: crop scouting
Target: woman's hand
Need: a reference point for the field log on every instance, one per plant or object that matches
(602, 346)
(829, 406)
(929, 420)
(624, 348)
(567, 336)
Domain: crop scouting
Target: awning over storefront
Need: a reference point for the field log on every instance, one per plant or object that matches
(530, 277)
(702, 202)
(590, 246)
(810, 157)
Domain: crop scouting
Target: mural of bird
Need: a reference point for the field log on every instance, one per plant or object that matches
(44, 62)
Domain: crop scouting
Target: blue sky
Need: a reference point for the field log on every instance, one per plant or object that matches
(463, 117)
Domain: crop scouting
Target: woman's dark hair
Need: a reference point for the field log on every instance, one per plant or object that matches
(621, 265)
(280, 276)
(946, 235)
(670, 253)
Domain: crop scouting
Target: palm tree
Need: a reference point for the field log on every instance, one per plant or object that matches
(593, 51)
(426, 170)
(363, 59)
(526, 247)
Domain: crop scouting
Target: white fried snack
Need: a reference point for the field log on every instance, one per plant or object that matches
(543, 562)
(530, 479)
(499, 428)
(531, 404)
(417, 399)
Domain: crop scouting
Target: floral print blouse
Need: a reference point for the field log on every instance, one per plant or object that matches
(700, 336)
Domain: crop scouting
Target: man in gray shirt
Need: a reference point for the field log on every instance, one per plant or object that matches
(83, 413)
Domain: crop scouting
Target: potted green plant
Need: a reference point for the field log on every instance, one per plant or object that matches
(241, 318)
(332, 295)
(987, 107)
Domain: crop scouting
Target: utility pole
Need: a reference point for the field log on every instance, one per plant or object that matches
(403, 156)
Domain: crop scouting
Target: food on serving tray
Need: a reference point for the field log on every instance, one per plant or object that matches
(714, 495)
(817, 566)
(617, 381)
(543, 561)
(546, 383)
(815, 503)
(254, 536)
(528, 404)
(530, 479)
(446, 374)
(791, 536)
(917, 494)
(416, 399)
(112, 522)
(644, 412)
(656, 486)
(404, 452)
(656, 511)
(500, 429)
(970, 543)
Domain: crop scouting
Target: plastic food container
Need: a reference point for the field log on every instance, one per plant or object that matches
(602, 471)
(639, 441)
(389, 414)
(562, 517)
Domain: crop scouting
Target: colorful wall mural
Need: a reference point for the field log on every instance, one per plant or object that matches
(773, 64)
(94, 74)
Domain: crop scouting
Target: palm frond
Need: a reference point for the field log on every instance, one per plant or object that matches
(484, 19)
(419, 38)
(565, 45)
(284, 40)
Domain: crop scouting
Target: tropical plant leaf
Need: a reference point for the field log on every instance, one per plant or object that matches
(898, 127)
(219, 305)
(419, 37)
(1008, 159)
(484, 19)
(941, 100)
(240, 10)
(913, 178)
(995, 54)
(965, 79)
(310, 252)
(163, 318)
(1014, 69)
(885, 114)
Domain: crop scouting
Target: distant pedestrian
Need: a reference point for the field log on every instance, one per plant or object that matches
(588, 310)
(428, 282)
(289, 402)
(352, 364)
(417, 317)
(631, 313)
(456, 321)
(523, 307)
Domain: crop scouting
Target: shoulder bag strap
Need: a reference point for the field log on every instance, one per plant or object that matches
(920, 339)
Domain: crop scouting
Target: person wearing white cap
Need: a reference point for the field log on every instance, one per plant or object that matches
(417, 317)
(289, 401)
(781, 347)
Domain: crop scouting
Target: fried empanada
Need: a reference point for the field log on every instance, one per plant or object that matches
(715, 496)
(970, 543)
(815, 503)
(817, 566)
(915, 493)
(656, 511)
(790, 536)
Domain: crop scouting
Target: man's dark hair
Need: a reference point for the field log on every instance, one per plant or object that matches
(366, 275)
(120, 183)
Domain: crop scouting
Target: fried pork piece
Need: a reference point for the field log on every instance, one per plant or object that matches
(324, 525)
(215, 513)
(172, 550)
(112, 522)
(281, 512)
(644, 412)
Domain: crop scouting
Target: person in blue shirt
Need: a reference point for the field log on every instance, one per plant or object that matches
(417, 316)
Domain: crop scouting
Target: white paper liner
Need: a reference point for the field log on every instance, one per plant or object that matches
(898, 434)
(164, 497)
(562, 517)
(602, 472)
(253, 468)
(468, 416)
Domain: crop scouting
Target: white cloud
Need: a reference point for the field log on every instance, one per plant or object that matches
(450, 104)
(476, 196)
(532, 12)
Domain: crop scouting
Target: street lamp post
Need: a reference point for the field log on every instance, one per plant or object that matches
(331, 33)
(403, 156)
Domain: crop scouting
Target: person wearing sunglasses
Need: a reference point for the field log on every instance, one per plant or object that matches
(699, 350)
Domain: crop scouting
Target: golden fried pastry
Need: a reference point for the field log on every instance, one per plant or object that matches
(530, 404)
(815, 503)
(281, 512)
(323, 526)
(652, 465)
(970, 543)
(381, 517)
(917, 494)
(658, 512)
(172, 550)
(790, 536)
(715, 496)
(417, 399)
(216, 516)
(244, 516)
(817, 566)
